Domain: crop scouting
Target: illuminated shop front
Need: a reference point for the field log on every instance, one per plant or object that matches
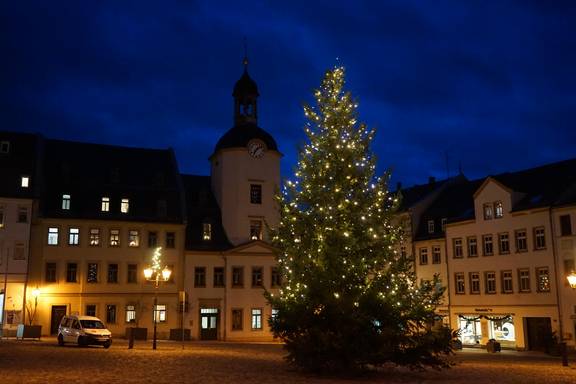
(473, 327)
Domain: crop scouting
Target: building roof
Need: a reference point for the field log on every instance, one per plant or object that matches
(240, 135)
(18, 158)
(415, 194)
(148, 178)
(201, 207)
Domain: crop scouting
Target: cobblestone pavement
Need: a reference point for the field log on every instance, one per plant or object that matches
(222, 363)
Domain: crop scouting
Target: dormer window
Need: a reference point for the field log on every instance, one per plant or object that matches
(25, 181)
(488, 212)
(206, 231)
(443, 224)
(430, 226)
(66, 202)
(4, 147)
(498, 210)
(105, 207)
(124, 205)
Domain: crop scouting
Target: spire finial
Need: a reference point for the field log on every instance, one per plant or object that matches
(245, 61)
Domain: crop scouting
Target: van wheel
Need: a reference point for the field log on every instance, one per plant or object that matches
(107, 344)
(60, 340)
(81, 341)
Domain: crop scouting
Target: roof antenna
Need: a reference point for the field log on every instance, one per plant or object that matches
(245, 61)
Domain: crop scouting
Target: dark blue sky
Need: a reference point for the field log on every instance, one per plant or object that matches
(490, 84)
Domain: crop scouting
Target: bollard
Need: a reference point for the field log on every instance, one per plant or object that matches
(131, 340)
(564, 354)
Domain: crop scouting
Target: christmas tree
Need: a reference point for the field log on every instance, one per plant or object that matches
(349, 300)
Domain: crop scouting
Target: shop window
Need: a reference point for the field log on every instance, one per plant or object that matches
(470, 329)
(502, 330)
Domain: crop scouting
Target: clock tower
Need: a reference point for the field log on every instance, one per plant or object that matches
(245, 169)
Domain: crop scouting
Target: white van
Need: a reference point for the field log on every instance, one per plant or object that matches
(83, 330)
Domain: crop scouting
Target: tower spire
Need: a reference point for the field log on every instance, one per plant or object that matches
(245, 61)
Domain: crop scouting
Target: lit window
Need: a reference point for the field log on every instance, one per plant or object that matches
(73, 236)
(255, 194)
(256, 318)
(423, 256)
(25, 182)
(130, 314)
(206, 231)
(255, 230)
(543, 279)
(94, 237)
(92, 276)
(430, 226)
(124, 205)
(133, 238)
(274, 313)
(4, 146)
(105, 204)
(53, 236)
(488, 214)
(114, 238)
(498, 210)
(66, 202)
(160, 313)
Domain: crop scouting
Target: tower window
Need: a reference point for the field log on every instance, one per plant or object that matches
(255, 193)
(66, 202)
(206, 231)
(255, 230)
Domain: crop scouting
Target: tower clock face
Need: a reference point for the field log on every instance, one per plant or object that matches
(256, 149)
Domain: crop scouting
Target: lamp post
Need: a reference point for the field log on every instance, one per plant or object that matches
(572, 281)
(157, 274)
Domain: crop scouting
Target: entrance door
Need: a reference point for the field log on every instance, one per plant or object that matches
(539, 331)
(58, 312)
(208, 323)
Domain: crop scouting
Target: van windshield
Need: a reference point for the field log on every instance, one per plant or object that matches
(92, 324)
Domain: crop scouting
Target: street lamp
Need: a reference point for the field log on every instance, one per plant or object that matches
(157, 274)
(572, 279)
(32, 314)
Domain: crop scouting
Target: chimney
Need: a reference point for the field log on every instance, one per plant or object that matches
(431, 180)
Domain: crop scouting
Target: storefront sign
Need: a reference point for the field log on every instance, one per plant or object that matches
(483, 309)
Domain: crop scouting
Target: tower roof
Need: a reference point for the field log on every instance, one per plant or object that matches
(245, 86)
(240, 135)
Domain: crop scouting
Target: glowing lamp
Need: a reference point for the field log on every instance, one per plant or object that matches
(166, 274)
(35, 293)
(148, 273)
(572, 279)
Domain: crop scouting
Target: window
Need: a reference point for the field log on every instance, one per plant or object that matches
(171, 278)
(255, 194)
(133, 238)
(1, 217)
(18, 251)
(257, 276)
(50, 273)
(475, 283)
(487, 245)
(130, 313)
(152, 239)
(256, 318)
(503, 243)
(237, 319)
(25, 182)
(199, 277)
(430, 226)
(105, 207)
(132, 274)
(94, 237)
(490, 280)
(443, 224)
(565, 225)
(543, 279)
(124, 205)
(237, 276)
(111, 314)
(206, 231)
(255, 230)
(275, 277)
(4, 147)
(92, 275)
(90, 310)
(521, 241)
(112, 273)
(488, 212)
(160, 313)
(423, 252)
(459, 281)
(66, 202)
(274, 313)
(219, 277)
(524, 279)
(73, 236)
(71, 272)
(472, 246)
(22, 214)
(539, 238)
(114, 238)
(436, 257)
(507, 282)
(457, 245)
(170, 239)
(498, 210)
(53, 236)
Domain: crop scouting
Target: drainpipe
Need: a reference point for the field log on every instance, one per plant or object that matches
(448, 278)
(225, 303)
(26, 279)
(558, 278)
